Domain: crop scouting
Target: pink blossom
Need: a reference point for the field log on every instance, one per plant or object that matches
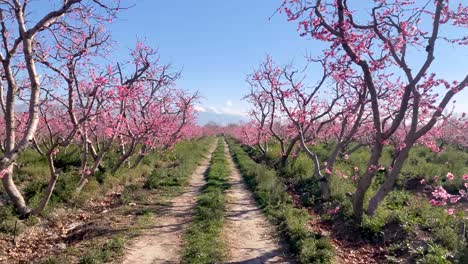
(454, 199)
(441, 196)
(55, 151)
(450, 211)
(422, 181)
(327, 171)
(465, 177)
(3, 172)
(334, 211)
(450, 176)
(434, 202)
(463, 193)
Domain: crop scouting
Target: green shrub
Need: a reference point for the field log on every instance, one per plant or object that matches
(317, 251)
(374, 225)
(447, 237)
(128, 194)
(64, 189)
(68, 160)
(463, 255)
(8, 220)
(397, 200)
(34, 188)
(435, 255)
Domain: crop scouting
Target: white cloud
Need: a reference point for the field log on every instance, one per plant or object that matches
(221, 110)
(199, 108)
(226, 109)
(233, 111)
(213, 110)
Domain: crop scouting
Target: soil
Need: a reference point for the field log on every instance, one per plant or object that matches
(249, 235)
(163, 242)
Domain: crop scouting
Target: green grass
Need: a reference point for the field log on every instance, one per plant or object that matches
(104, 252)
(414, 216)
(97, 253)
(171, 171)
(32, 176)
(270, 193)
(203, 243)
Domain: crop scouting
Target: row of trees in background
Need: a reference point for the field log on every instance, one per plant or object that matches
(60, 67)
(374, 87)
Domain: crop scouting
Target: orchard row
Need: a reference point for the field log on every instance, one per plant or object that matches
(373, 85)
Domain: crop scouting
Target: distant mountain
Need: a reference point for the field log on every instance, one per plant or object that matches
(219, 118)
(205, 117)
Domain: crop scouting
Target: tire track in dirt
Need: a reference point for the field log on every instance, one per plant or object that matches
(162, 243)
(249, 235)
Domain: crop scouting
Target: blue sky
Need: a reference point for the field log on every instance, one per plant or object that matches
(217, 43)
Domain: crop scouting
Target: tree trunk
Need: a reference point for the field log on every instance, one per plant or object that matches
(15, 196)
(365, 182)
(92, 150)
(119, 163)
(323, 180)
(141, 155)
(97, 163)
(37, 147)
(389, 182)
(138, 160)
(262, 149)
(297, 152)
(355, 148)
(125, 155)
(50, 187)
(84, 157)
(2, 146)
(284, 158)
(332, 159)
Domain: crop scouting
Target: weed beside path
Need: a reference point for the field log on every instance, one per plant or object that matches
(162, 241)
(251, 238)
(203, 242)
(307, 246)
(99, 231)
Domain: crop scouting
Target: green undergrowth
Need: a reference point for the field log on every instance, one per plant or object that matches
(270, 193)
(412, 229)
(105, 252)
(203, 243)
(422, 163)
(172, 171)
(179, 162)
